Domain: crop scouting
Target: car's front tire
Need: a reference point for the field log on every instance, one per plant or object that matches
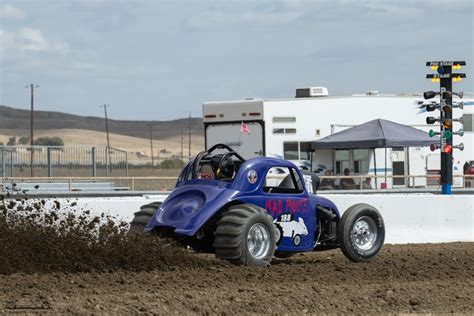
(361, 233)
(245, 235)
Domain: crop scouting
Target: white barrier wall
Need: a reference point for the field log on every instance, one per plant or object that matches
(409, 218)
(418, 218)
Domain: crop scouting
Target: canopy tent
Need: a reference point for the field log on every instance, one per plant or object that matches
(378, 133)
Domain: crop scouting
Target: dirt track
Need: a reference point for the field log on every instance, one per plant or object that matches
(412, 278)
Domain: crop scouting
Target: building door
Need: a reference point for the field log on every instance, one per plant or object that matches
(398, 166)
(398, 170)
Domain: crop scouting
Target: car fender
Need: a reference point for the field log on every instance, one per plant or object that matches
(321, 201)
(190, 206)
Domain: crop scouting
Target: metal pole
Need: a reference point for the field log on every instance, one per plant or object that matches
(31, 114)
(386, 184)
(108, 140)
(32, 152)
(189, 134)
(182, 142)
(3, 162)
(126, 165)
(48, 155)
(375, 169)
(151, 147)
(94, 162)
(407, 172)
(446, 85)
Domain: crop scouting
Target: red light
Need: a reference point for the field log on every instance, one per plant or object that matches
(210, 116)
(432, 147)
(254, 114)
(447, 149)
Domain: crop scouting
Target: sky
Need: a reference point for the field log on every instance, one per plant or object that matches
(159, 60)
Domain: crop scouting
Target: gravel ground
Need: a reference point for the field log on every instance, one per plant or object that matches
(425, 278)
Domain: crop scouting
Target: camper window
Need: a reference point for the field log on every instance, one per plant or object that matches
(361, 160)
(290, 151)
(284, 119)
(284, 131)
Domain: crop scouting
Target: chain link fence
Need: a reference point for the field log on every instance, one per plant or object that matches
(59, 161)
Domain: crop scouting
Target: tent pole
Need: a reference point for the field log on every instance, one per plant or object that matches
(407, 172)
(375, 169)
(386, 186)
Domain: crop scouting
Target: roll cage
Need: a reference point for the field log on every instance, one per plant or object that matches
(214, 166)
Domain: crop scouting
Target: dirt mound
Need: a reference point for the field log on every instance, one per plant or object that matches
(45, 237)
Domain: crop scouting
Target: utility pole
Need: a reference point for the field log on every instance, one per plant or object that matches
(107, 153)
(151, 147)
(32, 89)
(182, 141)
(189, 136)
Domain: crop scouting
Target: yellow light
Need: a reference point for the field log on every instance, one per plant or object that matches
(456, 66)
(456, 79)
(434, 67)
(434, 79)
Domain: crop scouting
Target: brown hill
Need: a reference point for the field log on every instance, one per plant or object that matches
(18, 121)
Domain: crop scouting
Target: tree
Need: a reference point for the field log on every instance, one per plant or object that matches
(24, 140)
(48, 141)
(172, 164)
(11, 141)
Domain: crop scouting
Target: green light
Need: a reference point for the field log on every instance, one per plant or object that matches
(432, 133)
(447, 134)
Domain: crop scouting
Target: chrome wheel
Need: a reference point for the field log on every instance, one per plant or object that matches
(258, 240)
(364, 233)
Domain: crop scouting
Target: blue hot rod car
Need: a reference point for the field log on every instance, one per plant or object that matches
(249, 211)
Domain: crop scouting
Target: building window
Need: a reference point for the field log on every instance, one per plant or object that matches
(343, 160)
(284, 119)
(467, 126)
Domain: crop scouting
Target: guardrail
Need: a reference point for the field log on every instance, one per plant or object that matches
(119, 183)
(467, 180)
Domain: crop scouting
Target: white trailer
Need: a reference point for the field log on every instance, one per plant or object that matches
(285, 127)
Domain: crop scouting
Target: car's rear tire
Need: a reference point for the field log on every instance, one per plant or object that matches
(245, 235)
(142, 217)
(361, 233)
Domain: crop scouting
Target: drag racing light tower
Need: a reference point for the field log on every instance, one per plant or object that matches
(445, 77)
